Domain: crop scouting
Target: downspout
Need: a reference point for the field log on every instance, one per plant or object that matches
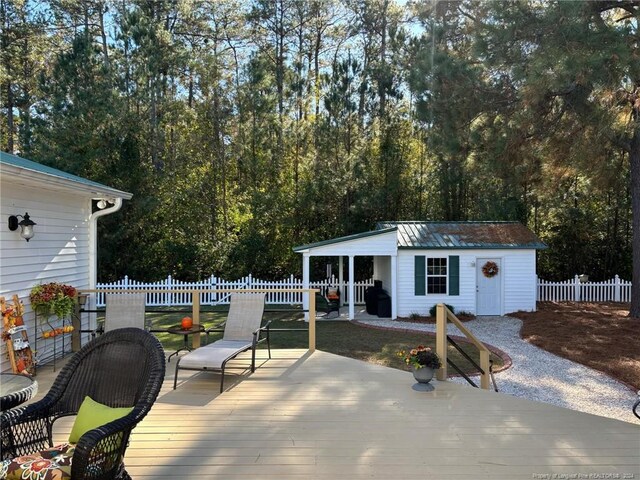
(93, 243)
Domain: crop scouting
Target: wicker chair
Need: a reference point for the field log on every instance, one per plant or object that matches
(121, 368)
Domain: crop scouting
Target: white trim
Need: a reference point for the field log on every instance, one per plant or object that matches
(352, 303)
(394, 287)
(32, 177)
(305, 284)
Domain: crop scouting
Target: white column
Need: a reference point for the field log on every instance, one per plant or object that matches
(352, 293)
(341, 278)
(394, 286)
(305, 284)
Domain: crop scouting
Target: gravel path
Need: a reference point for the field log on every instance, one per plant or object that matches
(539, 375)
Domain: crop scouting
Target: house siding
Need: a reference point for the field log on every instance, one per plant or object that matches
(58, 252)
(382, 271)
(518, 281)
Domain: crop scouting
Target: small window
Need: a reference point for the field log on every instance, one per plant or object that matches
(436, 275)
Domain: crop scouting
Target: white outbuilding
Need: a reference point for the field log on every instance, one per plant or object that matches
(484, 268)
(65, 209)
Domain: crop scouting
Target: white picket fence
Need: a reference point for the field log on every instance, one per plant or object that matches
(573, 290)
(160, 298)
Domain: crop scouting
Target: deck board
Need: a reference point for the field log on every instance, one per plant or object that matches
(321, 416)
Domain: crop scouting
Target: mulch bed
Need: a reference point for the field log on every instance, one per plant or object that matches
(600, 336)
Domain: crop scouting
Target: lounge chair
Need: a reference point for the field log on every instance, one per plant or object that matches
(122, 368)
(241, 333)
(124, 310)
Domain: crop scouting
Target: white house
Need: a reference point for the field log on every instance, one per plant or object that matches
(485, 268)
(66, 209)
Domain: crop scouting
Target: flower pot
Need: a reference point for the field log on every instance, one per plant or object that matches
(423, 375)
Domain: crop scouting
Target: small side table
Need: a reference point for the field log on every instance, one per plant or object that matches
(178, 330)
(15, 390)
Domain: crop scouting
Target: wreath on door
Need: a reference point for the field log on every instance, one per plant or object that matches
(490, 269)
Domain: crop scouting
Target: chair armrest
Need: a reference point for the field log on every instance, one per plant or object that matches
(256, 333)
(27, 429)
(218, 328)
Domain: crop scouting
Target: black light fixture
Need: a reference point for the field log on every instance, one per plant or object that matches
(26, 225)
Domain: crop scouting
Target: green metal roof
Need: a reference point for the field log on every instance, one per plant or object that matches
(19, 162)
(463, 235)
(355, 236)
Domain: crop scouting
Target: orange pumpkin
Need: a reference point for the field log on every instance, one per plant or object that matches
(187, 323)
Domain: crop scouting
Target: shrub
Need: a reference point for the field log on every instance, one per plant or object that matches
(432, 310)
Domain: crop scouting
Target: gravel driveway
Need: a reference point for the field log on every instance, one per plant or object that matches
(539, 375)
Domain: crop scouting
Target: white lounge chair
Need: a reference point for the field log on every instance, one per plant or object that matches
(241, 333)
(124, 310)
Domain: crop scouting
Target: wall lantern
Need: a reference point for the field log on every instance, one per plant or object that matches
(26, 225)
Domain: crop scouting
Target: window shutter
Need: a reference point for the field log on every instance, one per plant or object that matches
(419, 275)
(454, 275)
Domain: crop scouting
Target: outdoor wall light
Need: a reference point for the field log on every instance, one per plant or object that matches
(26, 225)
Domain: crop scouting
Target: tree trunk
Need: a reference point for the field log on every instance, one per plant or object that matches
(634, 160)
(103, 35)
(10, 127)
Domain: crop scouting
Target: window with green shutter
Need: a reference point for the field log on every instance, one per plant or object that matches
(437, 276)
(454, 275)
(419, 275)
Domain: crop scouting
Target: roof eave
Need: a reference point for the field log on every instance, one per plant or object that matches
(90, 190)
(348, 238)
(478, 247)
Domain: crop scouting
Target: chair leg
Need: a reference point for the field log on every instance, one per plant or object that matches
(268, 344)
(175, 378)
(253, 358)
(222, 377)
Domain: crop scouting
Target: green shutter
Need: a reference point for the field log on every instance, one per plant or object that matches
(419, 275)
(454, 275)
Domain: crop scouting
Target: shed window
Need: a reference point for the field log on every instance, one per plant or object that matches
(436, 275)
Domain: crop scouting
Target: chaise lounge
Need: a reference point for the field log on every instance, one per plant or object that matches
(241, 333)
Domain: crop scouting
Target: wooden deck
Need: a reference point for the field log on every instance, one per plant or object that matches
(321, 416)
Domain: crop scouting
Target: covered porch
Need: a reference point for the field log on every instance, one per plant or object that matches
(380, 244)
(316, 415)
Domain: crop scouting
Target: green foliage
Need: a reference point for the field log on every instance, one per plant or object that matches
(246, 128)
(433, 310)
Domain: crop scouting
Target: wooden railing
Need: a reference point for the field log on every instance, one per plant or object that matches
(195, 306)
(443, 316)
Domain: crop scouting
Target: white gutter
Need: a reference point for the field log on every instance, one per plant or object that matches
(93, 238)
(93, 251)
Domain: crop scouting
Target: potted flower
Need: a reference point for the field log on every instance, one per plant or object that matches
(422, 361)
(53, 299)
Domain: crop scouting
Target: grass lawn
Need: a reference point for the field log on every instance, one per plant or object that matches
(339, 337)
(600, 336)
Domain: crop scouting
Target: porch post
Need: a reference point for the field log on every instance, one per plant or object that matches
(352, 293)
(305, 285)
(394, 286)
(341, 279)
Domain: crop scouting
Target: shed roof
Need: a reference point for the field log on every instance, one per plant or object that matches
(463, 235)
(22, 164)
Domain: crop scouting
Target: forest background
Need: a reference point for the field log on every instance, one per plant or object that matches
(244, 128)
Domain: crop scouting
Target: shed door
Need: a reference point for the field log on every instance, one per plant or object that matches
(488, 288)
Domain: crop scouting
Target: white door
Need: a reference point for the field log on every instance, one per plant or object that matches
(488, 286)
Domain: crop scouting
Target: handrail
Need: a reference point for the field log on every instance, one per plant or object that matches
(195, 312)
(443, 316)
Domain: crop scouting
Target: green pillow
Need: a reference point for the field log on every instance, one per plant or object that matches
(93, 415)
